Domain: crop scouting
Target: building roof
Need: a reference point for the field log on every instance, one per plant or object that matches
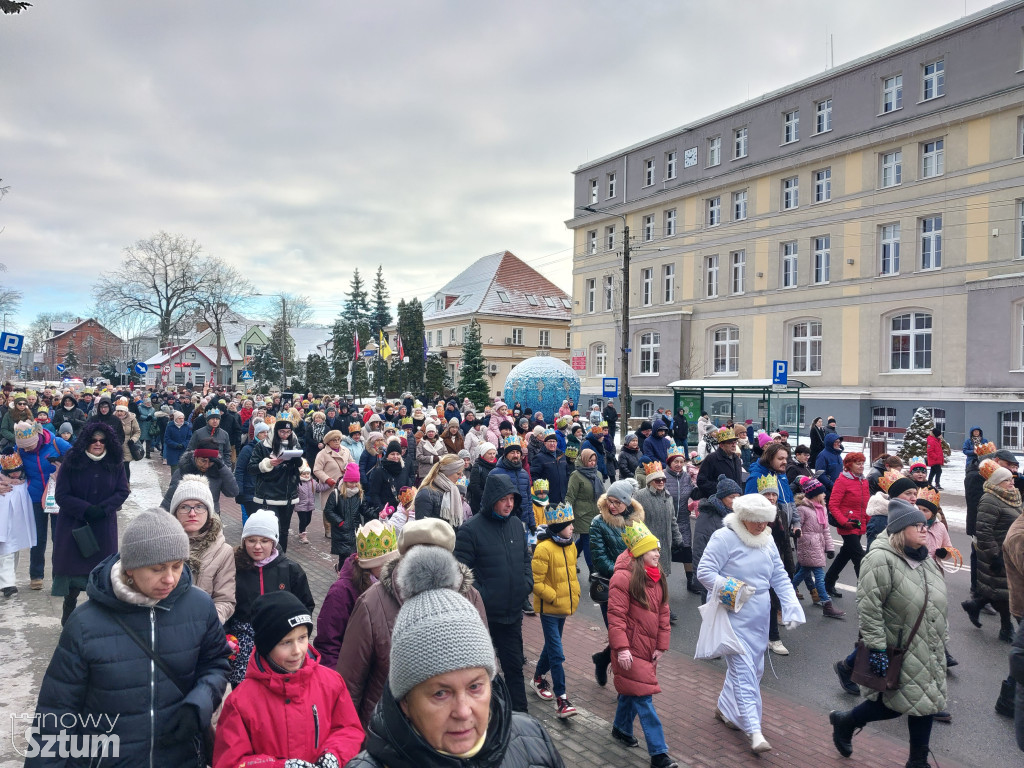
(499, 284)
(305, 340)
(59, 329)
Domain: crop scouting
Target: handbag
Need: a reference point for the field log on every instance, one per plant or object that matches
(598, 588)
(85, 540)
(204, 743)
(863, 674)
(136, 450)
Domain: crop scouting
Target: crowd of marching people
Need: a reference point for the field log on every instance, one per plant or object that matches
(451, 523)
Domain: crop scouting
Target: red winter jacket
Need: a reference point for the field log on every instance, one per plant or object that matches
(641, 630)
(849, 502)
(934, 454)
(272, 717)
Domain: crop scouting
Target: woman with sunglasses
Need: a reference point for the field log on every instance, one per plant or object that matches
(277, 477)
(91, 487)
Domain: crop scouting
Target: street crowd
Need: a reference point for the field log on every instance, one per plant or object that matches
(451, 523)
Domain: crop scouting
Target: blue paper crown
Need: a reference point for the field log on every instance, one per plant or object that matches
(511, 442)
(560, 514)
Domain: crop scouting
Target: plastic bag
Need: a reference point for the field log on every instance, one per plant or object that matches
(50, 497)
(717, 637)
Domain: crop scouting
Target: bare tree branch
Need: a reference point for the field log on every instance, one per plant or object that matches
(223, 293)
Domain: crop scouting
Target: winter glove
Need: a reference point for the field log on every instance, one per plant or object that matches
(879, 663)
(830, 555)
(331, 482)
(998, 568)
(327, 760)
(942, 553)
(94, 513)
(183, 726)
(625, 659)
(656, 655)
(791, 625)
(855, 523)
(239, 500)
(796, 533)
(296, 763)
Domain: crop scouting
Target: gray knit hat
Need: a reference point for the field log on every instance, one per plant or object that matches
(903, 514)
(151, 538)
(727, 487)
(623, 490)
(195, 487)
(437, 629)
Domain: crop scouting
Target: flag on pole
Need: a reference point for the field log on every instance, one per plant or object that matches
(424, 349)
(401, 349)
(358, 351)
(385, 349)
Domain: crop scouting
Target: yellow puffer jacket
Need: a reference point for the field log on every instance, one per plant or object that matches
(556, 587)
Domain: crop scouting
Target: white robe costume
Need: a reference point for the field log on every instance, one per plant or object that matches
(17, 530)
(753, 559)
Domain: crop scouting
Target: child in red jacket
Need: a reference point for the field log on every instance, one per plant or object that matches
(289, 712)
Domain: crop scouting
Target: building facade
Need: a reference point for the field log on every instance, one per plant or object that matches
(91, 343)
(521, 314)
(866, 225)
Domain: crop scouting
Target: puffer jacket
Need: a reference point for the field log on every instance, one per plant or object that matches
(275, 486)
(219, 476)
(1017, 672)
(629, 462)
(301, 715)
(551, 466)
(848, 504)
(710, 514)
(679, 487)
(606, 542)
(890, 595)
(364, 658)
(336, 612)
(330, 466)
(934, 453)
(76, 416)
(786, 502)
(830, 461)
(815, 539)
(496, 550)
(428, 454)
(556, 586)
(514, 740)
(132, 431)
(279, 573)
(995, 516)
(660, 511)
(214, 573)
(477, 479)
(520, 480)
(97, 670)
(38, 466)
(176, 441)
(641, 631)
(342, 512)
(580, 494)
(245, 481)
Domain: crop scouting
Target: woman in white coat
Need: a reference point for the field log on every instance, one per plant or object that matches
(743, 550)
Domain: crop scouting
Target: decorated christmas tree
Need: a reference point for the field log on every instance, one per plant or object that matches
(915, 441)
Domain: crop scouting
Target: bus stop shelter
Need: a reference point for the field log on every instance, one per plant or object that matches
(770, 406)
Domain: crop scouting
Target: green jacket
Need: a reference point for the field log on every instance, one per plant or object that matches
(995, 516)
(579, 493)
(606, 542)
(889, 598)
(660, 513)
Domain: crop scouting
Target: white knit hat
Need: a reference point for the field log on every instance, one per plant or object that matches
(195, 487)
(754, 508)
(263, 522)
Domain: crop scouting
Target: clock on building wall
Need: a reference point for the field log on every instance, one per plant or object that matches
(690, 157)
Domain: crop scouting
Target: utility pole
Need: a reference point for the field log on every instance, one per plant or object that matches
(284, 332)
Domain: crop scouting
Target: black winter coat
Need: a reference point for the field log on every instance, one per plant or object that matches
(76, 416)
(382, 486)
(551, 466)
(520, 479)
(718, 463)
(497, 552)
(514, 740)
(280, 573)
(342, 512)
(629, 461)
(219, 476)
(477, 478)
(245, 480)
(98, 670)
(597, 446)
(275, 486)
(974, 487)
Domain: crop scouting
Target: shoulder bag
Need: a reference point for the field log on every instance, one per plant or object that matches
(598, 588)
(862, 672)
(136, 450)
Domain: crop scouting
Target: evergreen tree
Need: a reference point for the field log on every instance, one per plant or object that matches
(915, 441)
(357, 305)
(437, 376)
(70, 360)
(380, 316)
(472, 381)
(318, 375)
(279, 336)
(410, 328)
(266, 366)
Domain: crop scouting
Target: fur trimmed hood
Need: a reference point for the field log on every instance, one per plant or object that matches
(387, 579)
(633, 513)
(754, 541)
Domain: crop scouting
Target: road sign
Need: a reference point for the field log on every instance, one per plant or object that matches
(10, 343)
(610, 386)
(246, 375)
(36, 368)
(61, 367)
(369, 352)
(780, 372)
(141, 368)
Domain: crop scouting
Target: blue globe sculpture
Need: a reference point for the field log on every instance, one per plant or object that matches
(541, 384)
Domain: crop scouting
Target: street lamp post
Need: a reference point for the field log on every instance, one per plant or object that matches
(624, 348)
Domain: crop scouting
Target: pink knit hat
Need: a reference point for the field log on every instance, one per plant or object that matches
(351, 473)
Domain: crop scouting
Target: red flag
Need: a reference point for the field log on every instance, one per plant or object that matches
(358, 351)
(401, 349)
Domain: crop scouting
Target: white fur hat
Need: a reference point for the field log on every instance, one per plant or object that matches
(755, 508)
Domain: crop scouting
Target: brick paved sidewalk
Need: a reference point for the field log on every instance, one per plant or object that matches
(801, 737)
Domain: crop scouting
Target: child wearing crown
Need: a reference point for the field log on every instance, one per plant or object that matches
(539, 497)
(17, 520)
(556, 595)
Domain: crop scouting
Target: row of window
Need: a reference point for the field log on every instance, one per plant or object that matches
(436, 338)
(933, 85)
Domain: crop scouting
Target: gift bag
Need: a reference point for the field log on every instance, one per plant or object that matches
(50, 497)
(717, 637)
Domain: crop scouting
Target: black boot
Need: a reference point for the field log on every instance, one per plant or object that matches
(844, 672)
(70, 601)
(1006, 634)
(950, 661)
(1005, 702)
(601, 661)
(843, 729)
(918, 757)
(663, 761)
(973, 611)
(691, 584)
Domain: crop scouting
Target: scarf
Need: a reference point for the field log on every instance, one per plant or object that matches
(595, 480)
(918, 555)
(451, 500)
(653, 572)
(319, 430)
(1010, 495)
(267, 560)
(126, 593)
(97, 458)
(821, 513)
(201, 542)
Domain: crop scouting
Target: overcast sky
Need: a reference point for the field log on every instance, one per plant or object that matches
(298, 140)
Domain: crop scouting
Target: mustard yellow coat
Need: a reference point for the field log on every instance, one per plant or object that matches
(556, 587)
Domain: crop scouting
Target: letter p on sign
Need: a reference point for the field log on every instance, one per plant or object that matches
(10, 343)
(780, 369)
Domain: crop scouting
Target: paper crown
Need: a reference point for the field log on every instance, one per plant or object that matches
(650, 467)
(598, 427)
(406, 495)
(353, 428)
(463, 482)
(511, 442)
(389, 425)
(213, 412)
(987, 467)
(890, 477)
(673, 451)
(572, 452)
(10, 462)
(768, 483)
(563, 422)
(406, 420)
(725, 434)
(729, 593)
(375, 539)
(559, 514)
(548, 433)
(985, 448)
(25, 429)
(639, 539)
(929, 495)
(541, 485)
(917, 462)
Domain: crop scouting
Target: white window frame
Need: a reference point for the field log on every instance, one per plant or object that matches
(739, 205)
(725, 350)
(933, 80)
(738, 272)
(790, 264)
(611, 184)
(568, 339)
(451, 336)
(1019, 206)
(1011, 430)
(592, 242)
(600, 354)
(645, 408)
(938, 417)
(609, 237)
(805, 346)
(931, 242)
(590, 295)
(822, 259)
(670, 165)
(646, 286)
(648, 227)
(889, 249)
(791, 193)
(670, 222)
(711, 277)
(892, 93)
(544, 338)
(595, 192)
(883, 416)
(791, 126)
(933, 158)
(918, 340)
(823, 185)
(668, 283)
(823, 116)
(649, 172)
(714, 151)
(714, 209)
(517, 337)
(649, 359)
(609, 293)
(891, 174)
(740, 143)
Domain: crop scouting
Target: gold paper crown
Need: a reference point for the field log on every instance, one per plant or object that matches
(650, 467)
(375, 539)
(10, 462)
(406, 495)
(987, 467)
(929, 494)
(639, 539)
(890, 477)
(985, 448)
(511, 442)
(572, 452)
(725, 434)
(673, 451)
(560, 514)
(541, 485)
(767, 483)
